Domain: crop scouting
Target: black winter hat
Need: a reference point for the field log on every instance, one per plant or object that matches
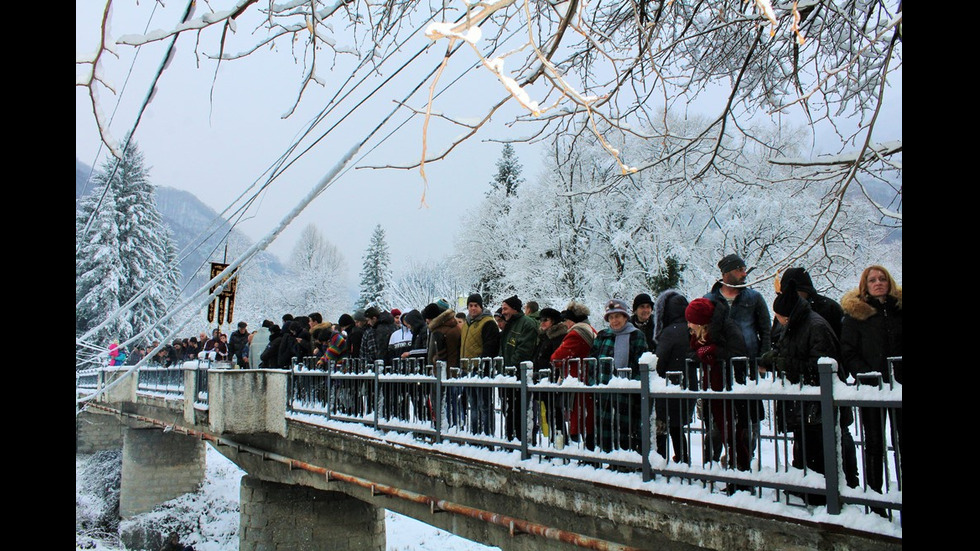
(731, 262)
(475, 297)
(514, 302)
(786, 300)
(800, 277)
(642, 298)
(550, 313)
(372, 312)
(345, 320)
(431, 311)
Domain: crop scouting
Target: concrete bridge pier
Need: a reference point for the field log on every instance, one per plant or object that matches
(280, 517)
(158, 466)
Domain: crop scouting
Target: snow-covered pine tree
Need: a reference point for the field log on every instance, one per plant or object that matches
(508, 176)
(375, 272)
(126, 252)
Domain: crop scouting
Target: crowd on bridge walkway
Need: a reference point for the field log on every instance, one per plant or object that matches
(732, 320)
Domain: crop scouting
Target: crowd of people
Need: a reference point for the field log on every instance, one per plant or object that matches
(730, 321)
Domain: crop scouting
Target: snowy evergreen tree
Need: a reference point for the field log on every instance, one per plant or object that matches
(125, 253)
(508, 176)
(375, 272)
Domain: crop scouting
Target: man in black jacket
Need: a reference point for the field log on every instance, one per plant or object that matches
(831, 311)
(237, 344)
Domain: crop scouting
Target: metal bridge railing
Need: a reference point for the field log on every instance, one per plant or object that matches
(795, 448)
(168, 381)
(587, 412)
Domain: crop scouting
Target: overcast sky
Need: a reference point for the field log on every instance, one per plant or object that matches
(216, 149)
(216, 141)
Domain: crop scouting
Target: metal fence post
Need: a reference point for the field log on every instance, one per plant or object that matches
(522, 372)
(645, 425)
(831, 443)
(331, 366)
(379, 365)
(438, 406)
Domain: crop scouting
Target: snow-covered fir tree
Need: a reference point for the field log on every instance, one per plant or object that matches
(486, 242)
(125, 256)
(375, 272)
(508, 176)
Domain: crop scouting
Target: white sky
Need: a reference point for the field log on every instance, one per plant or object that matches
(216, 153)
(216, 149)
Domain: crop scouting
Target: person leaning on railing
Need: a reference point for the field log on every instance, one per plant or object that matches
(618, 414)
(806, 337)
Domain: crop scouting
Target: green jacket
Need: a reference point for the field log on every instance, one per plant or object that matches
(518, 340)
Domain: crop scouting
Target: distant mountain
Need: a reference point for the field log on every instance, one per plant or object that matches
(186, 217)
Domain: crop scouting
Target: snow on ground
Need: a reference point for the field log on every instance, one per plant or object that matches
(213, 510)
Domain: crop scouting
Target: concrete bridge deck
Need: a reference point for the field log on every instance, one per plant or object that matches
(341, 481)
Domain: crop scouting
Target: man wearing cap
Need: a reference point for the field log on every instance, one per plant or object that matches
(479, 338)
(618, 415)
(642, 318)
(238, 343)
(551, 332)
(518, 341)
(397, 315)
(748, 309)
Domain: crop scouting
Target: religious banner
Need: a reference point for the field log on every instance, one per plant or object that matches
(225, 300)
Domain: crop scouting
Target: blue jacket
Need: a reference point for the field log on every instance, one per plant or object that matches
(751, 314)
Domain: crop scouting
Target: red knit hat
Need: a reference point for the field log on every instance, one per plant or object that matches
(699, 311)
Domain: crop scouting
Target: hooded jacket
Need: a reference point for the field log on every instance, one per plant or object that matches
(673, 350)
(444, 339)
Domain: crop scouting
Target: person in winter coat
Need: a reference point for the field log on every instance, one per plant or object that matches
(618, 415)
(270, 355)
(578, 410)
(295, 342)
(832, 312)
(871, 333)
(330, 346)
(749, 311)
(715, 340)
(479, 338)
(114, 353)
(518, 341)
(673, 351)
(551, 332)
(238, 345)
(806, 337)
(444, 346)
(643, 319)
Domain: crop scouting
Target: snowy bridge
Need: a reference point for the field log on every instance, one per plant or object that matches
(327, 452)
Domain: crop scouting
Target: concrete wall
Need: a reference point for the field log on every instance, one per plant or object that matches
(95, 432)
(282, 517)
(158, 466)
(243, 401)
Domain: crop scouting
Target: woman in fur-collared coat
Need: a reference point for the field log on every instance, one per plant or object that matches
(871, 333)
